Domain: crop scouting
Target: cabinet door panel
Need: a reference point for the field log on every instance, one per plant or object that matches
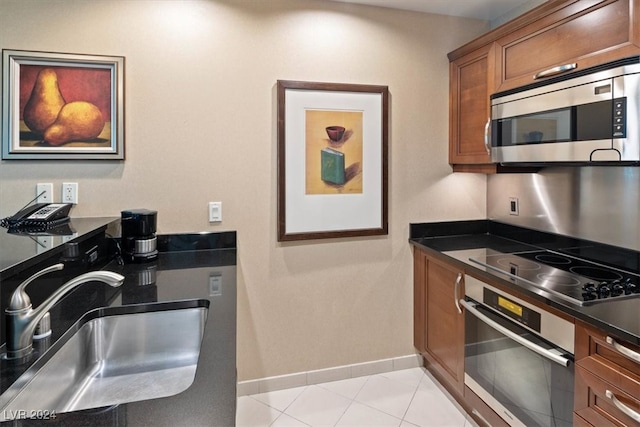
(604, 32)
(473, 95)
(471, 83)
(445, 326)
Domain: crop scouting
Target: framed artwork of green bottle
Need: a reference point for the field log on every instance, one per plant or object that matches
(332, 160)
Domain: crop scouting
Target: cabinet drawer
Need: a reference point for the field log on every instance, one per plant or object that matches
(595, 348)
(481, 412)
(601, 403)
(586, 33)
(605, 375)
(580, 422)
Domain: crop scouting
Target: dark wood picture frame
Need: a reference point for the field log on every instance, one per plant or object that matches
(316, 198)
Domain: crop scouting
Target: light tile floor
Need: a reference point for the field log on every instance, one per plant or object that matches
(404, 398)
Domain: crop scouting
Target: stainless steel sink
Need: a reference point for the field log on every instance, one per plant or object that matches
(113, 359)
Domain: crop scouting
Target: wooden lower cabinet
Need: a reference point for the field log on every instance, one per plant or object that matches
(607, 370)
(419, 302)
(439, 326)
(607, 384)
(439, 330)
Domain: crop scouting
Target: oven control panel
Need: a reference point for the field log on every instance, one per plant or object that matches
(537, 319)
(512, 309)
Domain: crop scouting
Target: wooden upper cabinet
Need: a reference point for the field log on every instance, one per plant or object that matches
(471, 82)
(584, 32)
(558, 32)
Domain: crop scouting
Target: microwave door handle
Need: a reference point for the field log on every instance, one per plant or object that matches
(487, 130)
(555, 71)
(517, 338)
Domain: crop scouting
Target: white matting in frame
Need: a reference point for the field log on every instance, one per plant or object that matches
(341, 213)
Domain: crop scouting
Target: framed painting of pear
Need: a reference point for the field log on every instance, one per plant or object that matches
(62, 106)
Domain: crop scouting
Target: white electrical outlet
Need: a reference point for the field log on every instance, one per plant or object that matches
(44, 191)
(215, 211)
(70, 192)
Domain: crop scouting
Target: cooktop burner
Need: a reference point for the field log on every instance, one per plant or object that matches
(572, 279)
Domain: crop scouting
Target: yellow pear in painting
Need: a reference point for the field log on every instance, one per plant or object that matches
(44, 103)
(77, 121)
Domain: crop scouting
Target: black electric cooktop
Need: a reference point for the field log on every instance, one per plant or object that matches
(572, 279)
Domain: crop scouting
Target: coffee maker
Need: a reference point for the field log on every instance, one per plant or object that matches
(139, 240)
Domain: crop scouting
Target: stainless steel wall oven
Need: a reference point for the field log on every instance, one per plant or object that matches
(518, 357)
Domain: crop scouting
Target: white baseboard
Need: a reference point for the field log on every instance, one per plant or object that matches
(263, 385)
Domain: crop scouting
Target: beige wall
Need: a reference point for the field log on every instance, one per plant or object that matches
(200, 126)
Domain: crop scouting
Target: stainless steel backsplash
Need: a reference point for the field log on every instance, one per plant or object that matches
(594, 203)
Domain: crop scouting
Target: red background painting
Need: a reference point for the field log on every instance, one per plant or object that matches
(76, 84)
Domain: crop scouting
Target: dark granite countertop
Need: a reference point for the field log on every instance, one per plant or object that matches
(458, 241)
(182, 272)
(21, 251)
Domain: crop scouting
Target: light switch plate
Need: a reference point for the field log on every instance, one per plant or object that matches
(215, 211)
(215, 284)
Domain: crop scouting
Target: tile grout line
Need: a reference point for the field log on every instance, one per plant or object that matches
(380, 410)
(300, 421)
(287, 407)
(344, 412)
(413, 397)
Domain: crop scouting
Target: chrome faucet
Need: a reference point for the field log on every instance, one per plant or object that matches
(22, 319)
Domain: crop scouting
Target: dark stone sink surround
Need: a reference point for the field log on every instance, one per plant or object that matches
(182, 272)
(450, 240)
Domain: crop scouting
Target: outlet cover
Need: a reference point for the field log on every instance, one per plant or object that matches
(514, 208)
(70, 192)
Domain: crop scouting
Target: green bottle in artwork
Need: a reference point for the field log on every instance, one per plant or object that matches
(332, 166)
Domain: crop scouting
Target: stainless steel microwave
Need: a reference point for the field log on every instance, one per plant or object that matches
(588, 117)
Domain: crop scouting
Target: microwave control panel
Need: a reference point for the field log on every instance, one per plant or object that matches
(620, 118)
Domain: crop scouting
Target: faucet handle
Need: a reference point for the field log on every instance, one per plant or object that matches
(19, 299)
(43, 328)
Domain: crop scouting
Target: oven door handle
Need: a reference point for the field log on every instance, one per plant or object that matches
(517, 338)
